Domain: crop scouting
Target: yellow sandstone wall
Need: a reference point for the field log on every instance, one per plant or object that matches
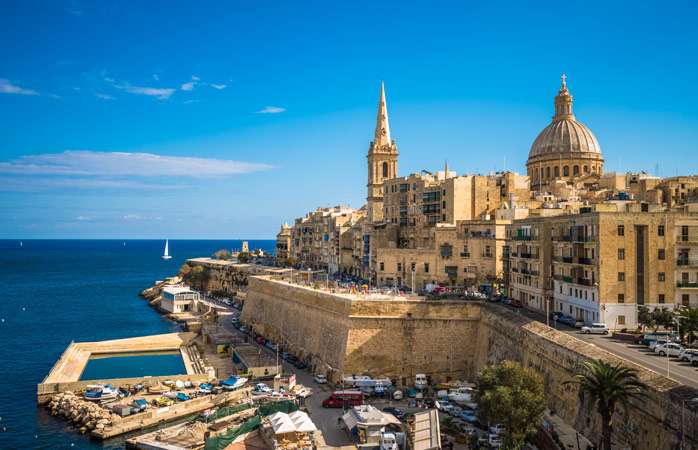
(457, 339)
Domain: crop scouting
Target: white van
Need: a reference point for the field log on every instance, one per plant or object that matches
(420, 381)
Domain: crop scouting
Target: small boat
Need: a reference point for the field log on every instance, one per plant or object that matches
(182, 397)
(205, 388)
(166, 255)
(171, 394)
(233, 383)
(158, 389)
(101, 392)
(164, 401)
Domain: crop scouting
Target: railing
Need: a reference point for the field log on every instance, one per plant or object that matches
(687, 284)
(564, 238)
(529, 255)
(687, 262)
(584, 281)
(584, 238)
(523, 238)
(567, 279)
(464, 255)
(567, 259)
(686, 238)
(586, 261)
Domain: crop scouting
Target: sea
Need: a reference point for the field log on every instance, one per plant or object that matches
(53, 292)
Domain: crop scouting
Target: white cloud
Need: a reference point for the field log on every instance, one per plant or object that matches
(83, 218)
(159, 93)
(195, 78)
(6, 87)
(34, 184)
(91, 163)
(105, 96)
(189, 102)
(132, 217)
(188, 86)
(156, 77)
(271, 110)
(218, 86)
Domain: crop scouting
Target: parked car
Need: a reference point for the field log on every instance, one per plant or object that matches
(694, 360)
(494, 441)
(262, 388)
(687, 354)
(320, 379)
(670, 349)
(595, 328)
(397, 412)
(567, 320)
(468, 416)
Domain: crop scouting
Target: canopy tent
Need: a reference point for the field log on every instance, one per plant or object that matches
(282, 423)
(302, 422)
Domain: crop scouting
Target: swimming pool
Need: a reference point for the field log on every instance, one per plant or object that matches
(106, 366)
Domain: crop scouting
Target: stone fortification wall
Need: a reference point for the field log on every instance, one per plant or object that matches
(652, 423)
(395, 339)
(311, 324)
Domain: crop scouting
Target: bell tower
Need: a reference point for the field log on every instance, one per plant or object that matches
(382, 161)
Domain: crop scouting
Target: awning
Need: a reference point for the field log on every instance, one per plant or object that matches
(302, 422)
(349, 419)
(282, 423)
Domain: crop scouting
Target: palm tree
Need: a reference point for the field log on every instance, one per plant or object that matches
(688, 321)
(608, 386)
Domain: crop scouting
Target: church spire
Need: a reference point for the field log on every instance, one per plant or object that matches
(382, 135)
(563, 102)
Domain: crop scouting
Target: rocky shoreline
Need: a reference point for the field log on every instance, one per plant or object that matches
(84, 415)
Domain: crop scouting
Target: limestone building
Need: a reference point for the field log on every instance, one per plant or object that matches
(283, 243)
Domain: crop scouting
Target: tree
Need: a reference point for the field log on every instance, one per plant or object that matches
(662, 317)
(243, 257)
(222, 254)
(608, 386)
(688, 322)
(184, 271)
(644, 317)
(511, 395)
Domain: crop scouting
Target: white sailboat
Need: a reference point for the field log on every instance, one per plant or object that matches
(166, 255)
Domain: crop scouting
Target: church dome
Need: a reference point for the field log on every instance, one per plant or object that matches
(565, 135)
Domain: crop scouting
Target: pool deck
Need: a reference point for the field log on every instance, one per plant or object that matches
(65, 374)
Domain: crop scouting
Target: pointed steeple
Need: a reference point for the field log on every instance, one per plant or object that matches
(563, 102)
(382, 135)
(446, 169)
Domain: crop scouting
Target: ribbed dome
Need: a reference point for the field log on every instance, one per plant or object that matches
(564, 136)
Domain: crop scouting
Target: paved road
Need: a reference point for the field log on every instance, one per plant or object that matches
(682, 372)
(678, 371)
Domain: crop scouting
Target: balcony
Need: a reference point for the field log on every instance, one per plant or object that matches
(585, 261)
(584, 281)
(514, 269)
(529, 255)
(522, 238)
(567, 259)
(687, 239)
(685, 262)
(464, 255)
(563, 238)
(582, 238)
(687, 284)
(567, 279)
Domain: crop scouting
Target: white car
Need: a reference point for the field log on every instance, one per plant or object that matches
(320, 379)
(670, 349)
(595, 328)
(687, 354)
(494, 441)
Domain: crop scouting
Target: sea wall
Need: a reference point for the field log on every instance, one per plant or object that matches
(456, 339)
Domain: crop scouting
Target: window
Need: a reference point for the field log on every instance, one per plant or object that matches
(621, 320)
(399, 267)
(382, 267)
(660, 230)
(660, 299)
(621, 298)
(566, 171)
(547, 172)
(413, 267)
(661, 276)
(621, 253)
(426, 267)
(621, 276)
(557, 171)
(661, 254)
(575, 170)
(385, 170)
(685, 299)
(621, 230)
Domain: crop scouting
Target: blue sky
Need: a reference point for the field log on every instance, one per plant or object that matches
(223, 119)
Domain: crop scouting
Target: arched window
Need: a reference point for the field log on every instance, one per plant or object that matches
(547, 172)
(593, 169)
(586, 169)
(385, 170)
(557, 171)
(566, 171)
(575, 170)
